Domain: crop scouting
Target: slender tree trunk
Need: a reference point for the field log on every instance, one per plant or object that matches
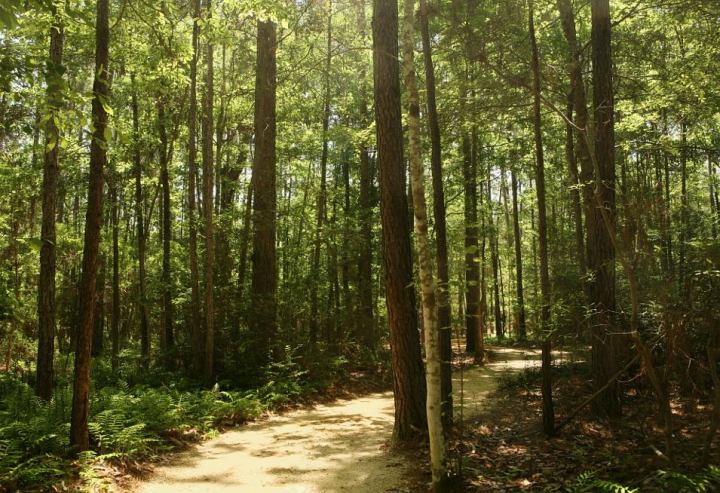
(684, 210)
(522, 332)
(668, 221)
(548, 410)
(439, 215)
(433, 352)
(711, 193)
(408, 382)
(140, 224)
(115, 327)
(322, 195)
(499, 333)
(208, 209)
(366, 203)
(167, 312)
(195, 325)
(263, 319)
(601, 252)
(581, 148)
(472, 266)
(99, 324)
(574, 183)
(79, 437)
(46, 282)
(244, 244)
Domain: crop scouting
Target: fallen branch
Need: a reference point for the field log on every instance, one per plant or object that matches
(587, 401)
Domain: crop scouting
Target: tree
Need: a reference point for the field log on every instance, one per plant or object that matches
(439, 216)
(408, 384)
(264, 275)
(46, 283)
(140, 225)
(168, 318)
(195, 330)
(548, 411)
(79, 438)
(433, 351)
(601, 250)
(522, 331)
(208, 208)
(579, 131)
(322, 194)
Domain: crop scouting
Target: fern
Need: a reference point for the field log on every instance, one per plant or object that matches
(705, 481)
(588, 482)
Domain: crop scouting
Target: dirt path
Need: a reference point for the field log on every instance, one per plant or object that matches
(338, 447)
(478, 382)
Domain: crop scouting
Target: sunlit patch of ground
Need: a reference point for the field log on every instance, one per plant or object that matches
(342, 446)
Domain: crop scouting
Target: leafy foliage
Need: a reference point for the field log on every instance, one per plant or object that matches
(588, 482)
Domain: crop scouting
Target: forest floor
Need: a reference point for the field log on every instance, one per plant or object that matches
(504, 449)
(342, 446)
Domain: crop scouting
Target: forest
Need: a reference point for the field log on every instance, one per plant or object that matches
(342, 245)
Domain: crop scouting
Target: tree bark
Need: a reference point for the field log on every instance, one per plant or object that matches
(601, 251)
(208, 209)
(167, 311)
(322, 195)
(115, 323)
(440, 223)
(548, 410)
(408, 382)
(263, 323)
(140, 225)
(79, 437)
(195, 324)
(433, 352)
(581, 148)
(46, 283)
(472, 265)
(522, 331)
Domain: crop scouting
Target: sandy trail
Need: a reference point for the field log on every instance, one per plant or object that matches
(334, 447)
(337, 447)
(478, 382)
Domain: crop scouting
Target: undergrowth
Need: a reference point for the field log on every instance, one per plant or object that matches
(127, 422)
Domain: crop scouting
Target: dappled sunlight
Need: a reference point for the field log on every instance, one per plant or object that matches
(341, 446)
(477, 382)
(336, 447)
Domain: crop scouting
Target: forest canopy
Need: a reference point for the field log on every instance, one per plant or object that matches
(261, 198)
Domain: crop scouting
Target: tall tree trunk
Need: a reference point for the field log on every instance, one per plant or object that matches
(322, 195)
(366, 202)
(46, 282)
(167, 311)
(712, 187)
(601, 251)
(667, 216)
(581, 148)
(684, 211)
(263, 323)
(244, 244)
(208, 209)
(79, 437)
(197, 342)
(115, 327)
(499, 332)
(408, 382)
(548, 410)
(433, 353)
(140, 224)
(522, 332)
(472, 266)
(439, 216)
